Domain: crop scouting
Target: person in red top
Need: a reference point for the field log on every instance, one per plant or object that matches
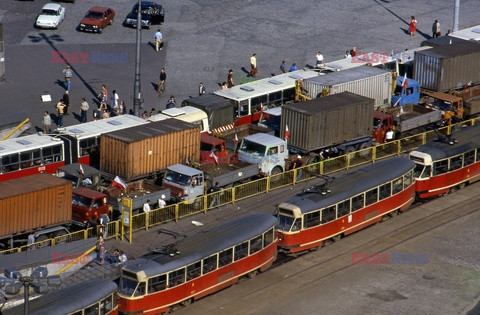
(353, 52)
(413, 26)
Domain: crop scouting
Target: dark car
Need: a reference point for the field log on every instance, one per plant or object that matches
(96, 19)
(152, 13)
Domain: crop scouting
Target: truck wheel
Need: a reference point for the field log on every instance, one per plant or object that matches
(42, 239)
(60, 240)
(349, 149)
(276, 170)
(365, 152)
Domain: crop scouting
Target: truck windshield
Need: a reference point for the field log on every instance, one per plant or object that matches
(253, 147)
(81, 201)
(131, 287)
(206, 146)
(270, 121)
(178, 178)
(284, 223)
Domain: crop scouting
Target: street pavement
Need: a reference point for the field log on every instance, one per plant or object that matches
(204, 39)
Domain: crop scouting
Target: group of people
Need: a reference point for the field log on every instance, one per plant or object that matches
(436, 31)
(118, 257)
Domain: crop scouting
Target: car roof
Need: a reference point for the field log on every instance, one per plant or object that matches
(52, 6)
(99, 9)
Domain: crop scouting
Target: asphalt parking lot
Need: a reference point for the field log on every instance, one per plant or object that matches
(203, 40)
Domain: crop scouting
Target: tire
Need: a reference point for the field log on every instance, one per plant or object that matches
(62, 239)
(41, 238)
(349, 149)
(99, 31)
(276, 170)
(362, 147)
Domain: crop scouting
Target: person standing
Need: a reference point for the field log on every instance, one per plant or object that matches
(114, 101)
(68, 77)
(162, 85)
(353, 52)
(104, 220)
(319, 59)
(171, 102)
(297, 163)
(293, 67)
(31, 241)
(413, 26)
(201, 89)
(83, 110)
(215, 195)
(253, 65)
(282, 67)
(347, 55)
(158, 40)
(60, 112)
(101, 244)
(436, 29)
(230, 79)
(103, 96)
(161, 202)
(66, 101)
(224, 85)
(46, 122)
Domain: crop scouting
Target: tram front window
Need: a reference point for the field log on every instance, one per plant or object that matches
(421, 171)
(284, 223)
(131, 287)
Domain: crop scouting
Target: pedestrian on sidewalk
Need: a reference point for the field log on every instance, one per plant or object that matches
(158, 40)
(114, 101)
(66, 101)
(282, 67)
(162, 85)
(103, 96)
(413, 26)
(293, 67)
(60, 112)
(68, 73)
(171, 102)
(46, 123)
(253, 66)
(436, 29)
(84, 110)
(201, 89)
(319, 59)
(230, 79)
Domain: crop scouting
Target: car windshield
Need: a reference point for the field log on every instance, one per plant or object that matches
(284, 223)
(49, 12)
(253, 147)
(94, 15)
(178, 178)
(131, 287)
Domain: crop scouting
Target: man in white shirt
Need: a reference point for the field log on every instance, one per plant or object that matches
(253, 65)
(389, 135)
(319, 58)
(161, 202)
(146, 206)
(158, 40)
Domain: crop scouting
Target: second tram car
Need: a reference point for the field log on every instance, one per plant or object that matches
(452, 162)
(346, 204)
(199, 265)
(93, 297)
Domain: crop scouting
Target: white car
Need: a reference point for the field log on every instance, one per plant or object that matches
(52, 14)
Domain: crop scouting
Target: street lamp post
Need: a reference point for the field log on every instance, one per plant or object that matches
(136, 86)
(26, 280)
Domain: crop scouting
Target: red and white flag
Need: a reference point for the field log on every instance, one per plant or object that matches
(215, 158)
(287, 133)
(405, 82)
(119, 183)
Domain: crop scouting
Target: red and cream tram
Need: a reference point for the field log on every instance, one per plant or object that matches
(93, 297)
(346, 204)
(199, 265)
(30, 155)
(442, 165)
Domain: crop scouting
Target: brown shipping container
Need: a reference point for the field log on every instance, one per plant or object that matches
(34, 202)
(138, 151)
(448, 67)
(327, 121)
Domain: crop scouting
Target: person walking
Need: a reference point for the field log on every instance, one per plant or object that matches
(253, 65)
(293, 67)
(201, 89)
(46, 122)
(68, 73)
(214, 191)
(162, 85)
(282, 67)
(114, 101)
(103, 96)
(319, 59)
(66, 101)
(158, 40)
(436, 29)
(60, 112)
(171, 102)
(353, 52)
(230, 79)
(413, 26)
(84, 110)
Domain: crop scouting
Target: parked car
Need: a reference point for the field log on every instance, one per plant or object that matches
(152, 13)
(96, 19)
(52, 14)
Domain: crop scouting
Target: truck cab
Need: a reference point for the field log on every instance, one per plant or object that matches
(185, 183)
(211, 148)
(268, 151)
(187, 113)
(409, 95)
(87, 205)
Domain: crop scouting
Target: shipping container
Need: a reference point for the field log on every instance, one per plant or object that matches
(327, 121)
(34, 202)
(144, 150)
(448, 67)
(366, 81)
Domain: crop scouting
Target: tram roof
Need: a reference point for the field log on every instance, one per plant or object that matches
(265, 86)
(98, 127)
(353, 182)
(67, 300)
(467, 139)
(204, 244)
(25, 143)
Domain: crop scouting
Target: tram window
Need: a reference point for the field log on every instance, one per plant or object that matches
(194, 270)
(357, 202)
(176, 277)
(106, 305)
(255, 244)
(407, 179)
(86, 145)
(258, 102)
(385, 191)
(311, 219)
(10, 162)
(343, 208)
(27, 159)
(225, 257)
(397, 185)
(241, 251)
(140, 289)
(440, 167)
(478, 155)
(288, 95)
(76, 313)
(268, 238)
(209, 264)
(91, 310)
(275, 98)
(469, 158)
(371, 196)
(328, 214)
(157, 283)
(297, 225)
(243, 108)
(456, 163)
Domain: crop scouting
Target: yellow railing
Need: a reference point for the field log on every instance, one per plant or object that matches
(231, 195)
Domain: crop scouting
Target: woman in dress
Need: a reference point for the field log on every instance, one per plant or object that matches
(413, 26)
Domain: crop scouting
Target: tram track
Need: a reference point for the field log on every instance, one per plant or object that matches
(318, 265)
